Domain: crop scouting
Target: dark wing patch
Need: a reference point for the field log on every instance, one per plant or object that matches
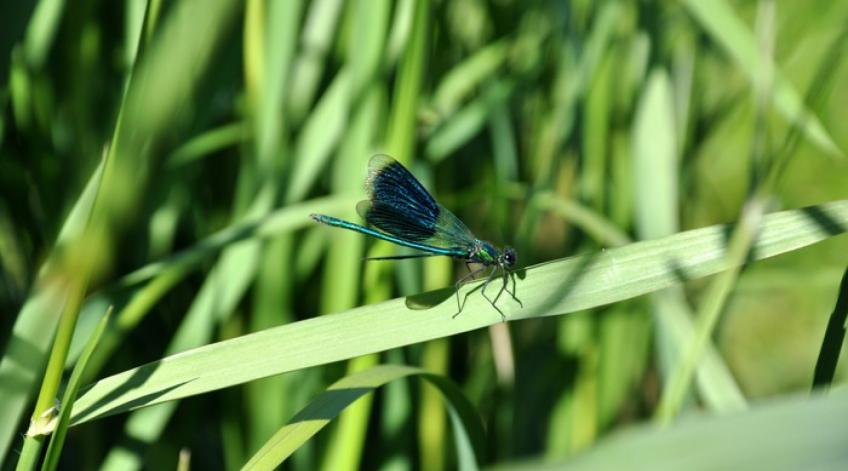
(402, 207)
(397, 223)
(391, 185)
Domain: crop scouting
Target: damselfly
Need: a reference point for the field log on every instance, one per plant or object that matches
(404, 213)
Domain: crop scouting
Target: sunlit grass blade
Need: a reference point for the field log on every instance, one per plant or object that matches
(57, 439)
(552, 288)
(834, 337)
(327, 406)
(435, 358)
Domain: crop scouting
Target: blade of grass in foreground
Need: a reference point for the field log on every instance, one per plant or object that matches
(468, 429)
(548, 289)
(797, 433)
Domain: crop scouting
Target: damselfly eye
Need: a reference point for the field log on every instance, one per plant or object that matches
(509, 257)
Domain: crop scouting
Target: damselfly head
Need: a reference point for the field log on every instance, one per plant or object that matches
(508, 258)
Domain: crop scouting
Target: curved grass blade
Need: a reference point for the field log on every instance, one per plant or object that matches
(57, 440)
(552, 288)
(468, 427)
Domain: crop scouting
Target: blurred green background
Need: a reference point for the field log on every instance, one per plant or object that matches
(558, 127)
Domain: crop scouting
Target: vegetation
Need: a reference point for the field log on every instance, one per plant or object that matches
(672, 175)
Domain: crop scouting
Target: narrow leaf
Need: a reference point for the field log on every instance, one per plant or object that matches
(834, 336)
(57, 440)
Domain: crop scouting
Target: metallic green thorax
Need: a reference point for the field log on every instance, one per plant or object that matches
(484, 252)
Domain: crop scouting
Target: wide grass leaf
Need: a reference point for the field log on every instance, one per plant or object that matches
(797, 433)
(552, 288)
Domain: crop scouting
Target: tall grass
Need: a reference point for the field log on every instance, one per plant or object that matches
(163, 157)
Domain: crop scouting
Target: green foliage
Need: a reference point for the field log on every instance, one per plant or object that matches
(163, 158)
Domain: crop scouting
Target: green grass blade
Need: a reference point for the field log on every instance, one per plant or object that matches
(344, 392)
(834, 336)
(343, 265)
(321, 132)
(278, 25)
(35, 325)
(319, 27)
(42, 30)
(165, 274)
(222, 289)
(465, 77)
(724, 25)
(740, 244)
(796, 433)
(254, 227)
(656, 169)
(459, 128)
(213, 140)
(548, 289)
(400, 136)
(57, 440)
(594, 224)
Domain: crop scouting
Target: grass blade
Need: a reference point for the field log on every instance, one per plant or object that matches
(35, 325)
(726, 28)
(759, 439)
(344, 392)
(548, 289)
(208, 142)
(656, 165)
(834, 336)
(57, 440)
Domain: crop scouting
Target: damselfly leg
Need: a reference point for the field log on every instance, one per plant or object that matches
(465, 279)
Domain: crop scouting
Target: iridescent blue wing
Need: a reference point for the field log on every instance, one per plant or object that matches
(399, 205)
